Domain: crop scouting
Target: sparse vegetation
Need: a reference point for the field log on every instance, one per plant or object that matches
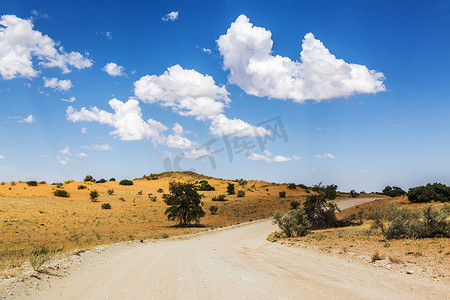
(160, 190)
(126, 182)
(81, 187)
(230, 189)
(282, 194)
(32, 183)
(240, 193)
(292, 186)
(354, 194)
(106, 206)
(39, 256)
(295, 204)
(110, 192)
(213, 209)
(219, 198)
(94, 195)
(61, 193)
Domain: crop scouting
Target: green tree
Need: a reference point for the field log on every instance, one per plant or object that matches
(184, 202)
(293, 222)
(94, 195)
(321, 213)
(230, 189)
(89, 178)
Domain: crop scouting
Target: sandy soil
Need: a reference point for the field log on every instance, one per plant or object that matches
(233, 263)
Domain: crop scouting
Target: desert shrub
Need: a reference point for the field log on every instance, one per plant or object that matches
(61, 193)
(303, 186)
(112, 179)
(203, 185)
(110, 192)
(292, 186)
(240, 193)
(430, 192)
(321, 213)
(295, 204)
(69, 181)
(160, 190)
(219, 198)
(230, 189)
(213, 209)
(103, 180)
(393, 191)
(13, 183)
(434, 222)
(42, 182)
(282, 194)
(126, 182)
(93, 195)
(81, 187)
(242, 181)
(353, 194)
(184, 202)
(32, 183)
(39, 256)
(328, 191)
(106, 206)
(293, 222)
(151, 197)
(139, 193)
(89, 178)
(376, 256)
(122, 199)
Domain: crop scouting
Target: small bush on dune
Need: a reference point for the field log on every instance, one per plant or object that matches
(282, 194)
(32, 183)
(151, 197)
(61, 193)
(68, 181)
(126, 182)
(240, 193)
(203, 185)
(219, 198)
(89, 178)
(81, 187)
(213, 209)
(103, 180)
(39, 256)
(230, 189)
(42, 182)
(93, 195)
(106, 206)
(112, 179)
(353, 194)
(110, 192)
(292, 186)
(295, 204)
(303, 186)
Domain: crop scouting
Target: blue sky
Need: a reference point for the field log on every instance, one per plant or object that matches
(365, 105)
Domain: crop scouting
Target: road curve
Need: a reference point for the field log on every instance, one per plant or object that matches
(236, 263)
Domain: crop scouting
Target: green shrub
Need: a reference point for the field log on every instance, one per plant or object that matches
(89, 178)
(303, 186)
(295, 204)
(68, 181)
(353, 194)
(292, 186)
(282, 194)
(213, 209)
(32, 183)
(61, 193)
(42, 182)
(394, 191)
(93, 195)
(242, 181)
(184, 202)
(219, 198)
(39, 256)
(429, 193)
(106, 206)
(139, 193)
(112, 179)
(13, 183)
(126, 182)
(103, 180)
(160, 190)
(328, 191)
(205, 186)
(81, 187)
(294, 222)
(110, 192)
(240, 193)
(322, 213)
(230, 189)
(151, 197)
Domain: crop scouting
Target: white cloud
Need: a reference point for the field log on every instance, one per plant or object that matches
(65, 151)
(2, 157)
(113, 69)
(71, 99)
(28, 120)
(326, 155)
(59, 85)
(206, 50)
(221, 125)
(83, 130)
(81, 155)
(21, 45)
(188, 92)
(104, 147)
(126, 119)
(268, 157)
(172, 16)
(177, 140)
(363, 171)
(319, 75)
(61, 161)
(108, 35)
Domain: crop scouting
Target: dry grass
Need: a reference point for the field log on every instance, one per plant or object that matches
(33, 216)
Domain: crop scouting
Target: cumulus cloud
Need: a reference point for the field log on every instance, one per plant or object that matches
(113, 69)
(268, 157)
(319, 75)
(177, 140)
(59, 85)
(83, 130)
(71, 99)
(2, 157)
(104, 147)
(221, 125)
(172, 16)
(190, 93)
(65, 151)
(126, 119)
(29, 120)
(325, 155)
(21, 46)
(81, 155)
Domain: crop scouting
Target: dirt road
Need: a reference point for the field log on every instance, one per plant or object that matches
(236, 263)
